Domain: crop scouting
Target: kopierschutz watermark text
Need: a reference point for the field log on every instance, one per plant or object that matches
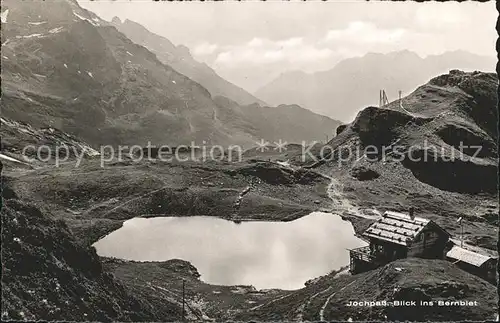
(309, 152)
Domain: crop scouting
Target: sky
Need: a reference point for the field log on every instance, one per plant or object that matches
(251, 43)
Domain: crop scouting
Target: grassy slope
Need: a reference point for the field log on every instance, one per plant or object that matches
(160, 281)
(442, 191)
(47, 274)
(407, 279)
(94, 200)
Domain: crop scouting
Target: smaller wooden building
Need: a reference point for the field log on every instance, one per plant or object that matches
(475, 263)
(396, 236)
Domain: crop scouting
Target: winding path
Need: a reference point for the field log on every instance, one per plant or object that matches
(342, 203)
(322, 311)
(300, 316)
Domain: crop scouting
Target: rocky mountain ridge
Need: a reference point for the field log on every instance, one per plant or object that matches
(47, 274)
(180, 58)
(355, 82)
(436, 150)
(52, 51)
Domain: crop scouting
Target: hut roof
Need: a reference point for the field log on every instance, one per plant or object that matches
(396, 227)
(467, 256)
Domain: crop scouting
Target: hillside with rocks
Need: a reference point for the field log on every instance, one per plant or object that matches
(21, 142)
(423, 165)
(70, 208)
(412, 279)
(160, 281)
(53, 50)
(288, 123)
(180, 58)
(94, 200)
(71, 79)
(47, 274)
(355, 82)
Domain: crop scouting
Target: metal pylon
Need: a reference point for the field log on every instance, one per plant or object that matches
(382, 98)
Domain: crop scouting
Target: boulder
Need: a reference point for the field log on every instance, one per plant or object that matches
(363, 173)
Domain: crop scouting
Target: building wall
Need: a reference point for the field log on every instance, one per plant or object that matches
(385, 251)
(486, 271)
(430, 243)
(358, 265)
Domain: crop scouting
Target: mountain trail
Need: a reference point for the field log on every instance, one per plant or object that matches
(322, 311)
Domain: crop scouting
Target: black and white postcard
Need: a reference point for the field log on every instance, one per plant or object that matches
(236, 161)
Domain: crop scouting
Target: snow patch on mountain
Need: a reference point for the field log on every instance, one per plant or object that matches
(92, 21)
(31, 36)
(4, 15)
(56, 30)
(2, 156)
(37, 23)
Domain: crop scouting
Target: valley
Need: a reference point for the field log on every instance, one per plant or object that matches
(93, 201)
(131, 97)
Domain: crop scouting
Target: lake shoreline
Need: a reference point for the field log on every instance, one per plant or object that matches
(265, 250)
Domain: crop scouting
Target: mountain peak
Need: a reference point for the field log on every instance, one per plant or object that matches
(183, 50)
(128, 22)
(180, 58)
(404, 54)
(116, 21)
(401, 54)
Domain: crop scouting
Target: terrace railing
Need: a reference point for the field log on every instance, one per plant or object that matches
(362, 253)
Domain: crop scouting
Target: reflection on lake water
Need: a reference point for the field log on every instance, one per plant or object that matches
(263, 254)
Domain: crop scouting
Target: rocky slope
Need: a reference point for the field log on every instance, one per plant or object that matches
(288, 123)
(54, 50)
(94, 200)
(51, 215)
(63, 67)
(161, 281)
(48, 275)
(20, 143)
(69, 208)
(179, 57)
(355, 82)
(410, 279)
(423, 165)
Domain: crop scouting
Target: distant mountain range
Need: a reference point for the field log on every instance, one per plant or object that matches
(179, 57)
(354, 83)
(64, 67)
